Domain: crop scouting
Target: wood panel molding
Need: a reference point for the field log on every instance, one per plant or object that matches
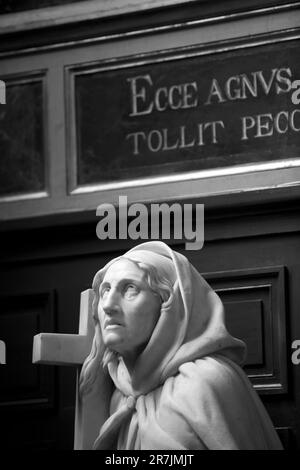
(23, 384)
(255, 306)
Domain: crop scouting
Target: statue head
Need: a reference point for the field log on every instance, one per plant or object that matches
(129, 296)
(155, 310)
(128, 309)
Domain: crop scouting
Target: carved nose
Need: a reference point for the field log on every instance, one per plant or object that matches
(110, 304)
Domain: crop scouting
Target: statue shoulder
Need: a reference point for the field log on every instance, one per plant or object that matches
(210, 374)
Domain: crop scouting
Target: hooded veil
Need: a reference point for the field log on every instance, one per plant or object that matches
(186, 389)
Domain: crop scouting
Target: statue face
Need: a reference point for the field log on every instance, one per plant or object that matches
(128, 309)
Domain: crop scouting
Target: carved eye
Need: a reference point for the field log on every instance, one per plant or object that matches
(104, 290)
(130, 291)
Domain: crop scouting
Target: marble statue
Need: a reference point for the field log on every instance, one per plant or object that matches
(163, 372)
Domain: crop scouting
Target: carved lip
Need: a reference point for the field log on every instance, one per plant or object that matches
(112, 324)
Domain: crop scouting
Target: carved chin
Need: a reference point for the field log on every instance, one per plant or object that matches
(112, 336)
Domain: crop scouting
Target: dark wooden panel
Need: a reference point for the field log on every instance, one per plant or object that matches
(177, 14)
(22, 145)
(21, 382)
(185, 113)
(9, 6)
(255, 302)
(287, 437)
(244, 320)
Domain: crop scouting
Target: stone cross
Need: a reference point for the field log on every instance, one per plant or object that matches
(71, 350)
(67, 349)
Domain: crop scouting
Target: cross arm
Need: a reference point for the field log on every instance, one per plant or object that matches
(60, 349)
(67, 349)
